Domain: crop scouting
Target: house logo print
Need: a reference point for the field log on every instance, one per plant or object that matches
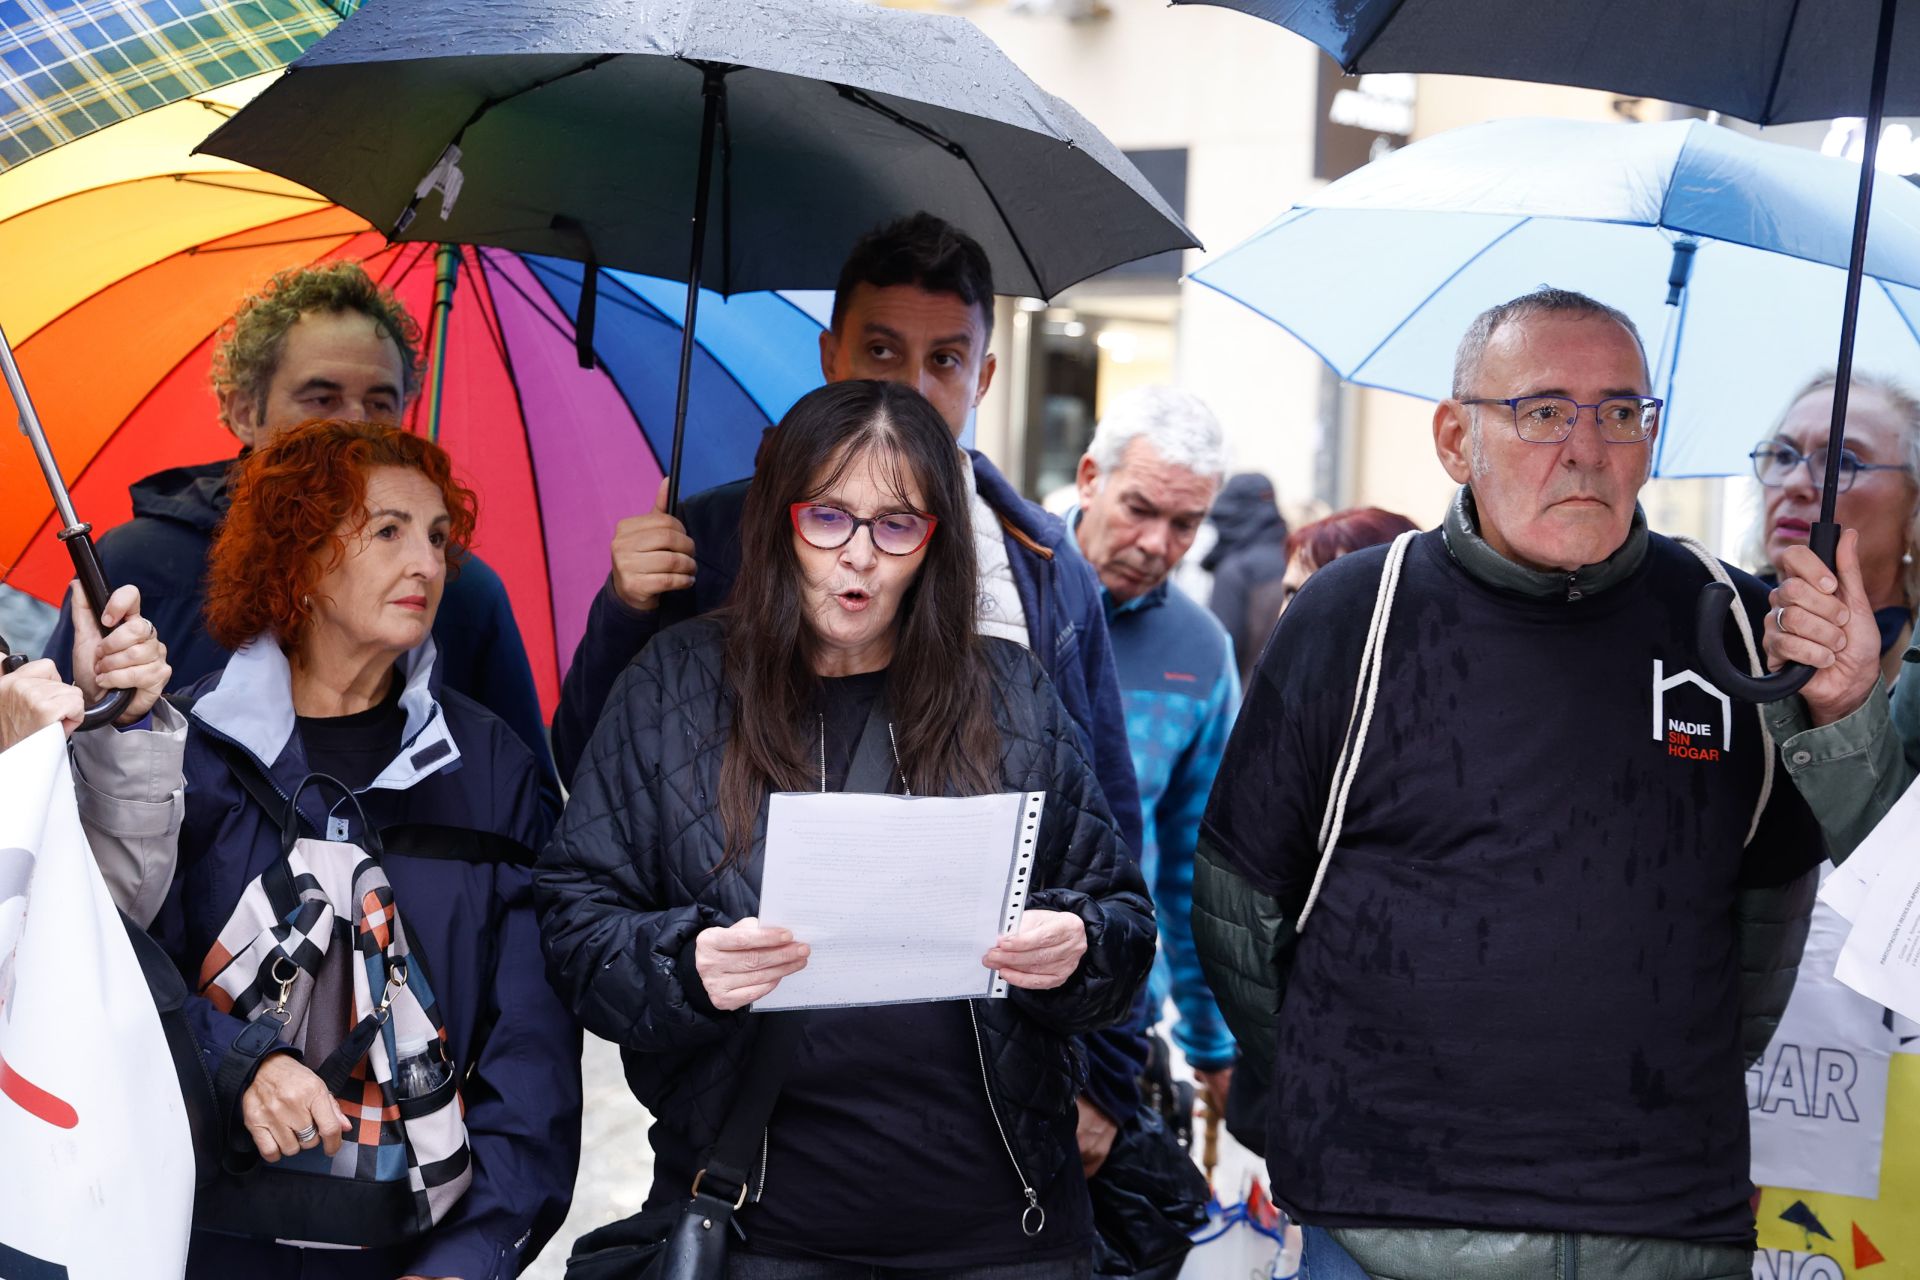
(1689, 739)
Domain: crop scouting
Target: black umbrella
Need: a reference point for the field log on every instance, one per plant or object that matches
(76, 534)
(595, 131)
(1767, 61)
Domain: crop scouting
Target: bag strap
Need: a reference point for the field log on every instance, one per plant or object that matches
(1366, 691)
(411, 839)
(455, 844)
(290, 817)
(730, 1162)
(248, 775)
(287, 808)
(1744, 625)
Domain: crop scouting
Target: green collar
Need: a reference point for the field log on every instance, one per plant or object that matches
(1461, 532)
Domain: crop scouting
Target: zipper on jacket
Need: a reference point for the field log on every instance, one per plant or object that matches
(263, 771)
(761, 1189)
(1033, 1209)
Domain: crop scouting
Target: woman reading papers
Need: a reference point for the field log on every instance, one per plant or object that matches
(906, 1137)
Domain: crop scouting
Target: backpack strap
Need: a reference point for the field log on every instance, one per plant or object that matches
(455, 844)
(411, 839)
(248, 774)
(1754, 665)
(1366, 691)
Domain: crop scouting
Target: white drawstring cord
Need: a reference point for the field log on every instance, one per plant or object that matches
(1365, 692)
(1368, 689)
(1745, 624)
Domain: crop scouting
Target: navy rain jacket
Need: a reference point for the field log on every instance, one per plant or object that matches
(462, 771)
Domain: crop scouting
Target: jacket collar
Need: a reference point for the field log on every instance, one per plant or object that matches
(1461, 533)
(252, 706)
(1028, 521)
(1152, 598)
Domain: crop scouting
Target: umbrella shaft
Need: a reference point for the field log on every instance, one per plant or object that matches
(1857, 261)
(30, 428)
(714, 91)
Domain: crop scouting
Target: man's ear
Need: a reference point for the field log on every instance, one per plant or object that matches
(987, 367)
(829, 351)
(1451, 431)
(241, 414)
(1087, 479)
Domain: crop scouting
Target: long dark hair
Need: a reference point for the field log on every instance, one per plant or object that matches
(937, 688)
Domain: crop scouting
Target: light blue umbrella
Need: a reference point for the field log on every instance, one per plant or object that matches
(1381, 272)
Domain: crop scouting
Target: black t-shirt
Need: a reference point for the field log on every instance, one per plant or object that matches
(355, 748)
(882, 1149)
(1516, 1002)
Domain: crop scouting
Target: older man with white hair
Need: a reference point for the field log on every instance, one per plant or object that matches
(1153, 469)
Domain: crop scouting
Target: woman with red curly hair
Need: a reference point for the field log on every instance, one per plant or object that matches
(324, 580)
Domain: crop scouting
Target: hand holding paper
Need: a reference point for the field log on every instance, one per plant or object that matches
(745, 961)
(1043, 954)
(902, 899)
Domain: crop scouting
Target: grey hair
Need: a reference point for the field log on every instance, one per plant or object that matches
(1904, 403)
(1544, 301)
(1179, 426)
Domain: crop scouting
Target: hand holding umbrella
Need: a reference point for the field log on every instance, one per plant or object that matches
(126, 658)
(1823, 619)
(77, 536)
(652, 555)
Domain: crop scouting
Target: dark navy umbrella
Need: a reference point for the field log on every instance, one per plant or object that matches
(605, 131)
(1768, 61)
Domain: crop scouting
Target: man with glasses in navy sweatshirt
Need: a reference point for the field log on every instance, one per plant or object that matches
(1570, 885)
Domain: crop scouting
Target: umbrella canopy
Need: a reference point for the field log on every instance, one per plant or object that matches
(73, 68)
(130, 254)
(1768, 61)
(579, 134)
(1381, 272)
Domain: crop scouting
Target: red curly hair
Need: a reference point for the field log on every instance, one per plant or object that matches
(295, 502)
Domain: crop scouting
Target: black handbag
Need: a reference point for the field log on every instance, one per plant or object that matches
(1149, 1197)
(688, 1240)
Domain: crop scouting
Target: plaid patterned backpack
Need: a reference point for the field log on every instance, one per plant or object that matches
(316, 949)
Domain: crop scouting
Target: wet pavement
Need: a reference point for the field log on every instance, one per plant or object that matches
(616, 1165)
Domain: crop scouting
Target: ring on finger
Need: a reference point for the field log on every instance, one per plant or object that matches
(1780, 620)
(306, 1135)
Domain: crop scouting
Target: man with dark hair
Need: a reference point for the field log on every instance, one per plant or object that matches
(1557, 884)
(914, 306)
(322, 342)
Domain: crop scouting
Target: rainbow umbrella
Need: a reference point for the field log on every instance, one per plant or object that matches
(126, 253)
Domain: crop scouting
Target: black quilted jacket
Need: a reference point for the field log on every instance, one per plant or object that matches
(627, 883)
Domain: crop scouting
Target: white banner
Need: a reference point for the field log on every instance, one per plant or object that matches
(1818, 1099)
(96, 1161)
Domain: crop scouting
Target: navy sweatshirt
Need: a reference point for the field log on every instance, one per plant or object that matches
(1516, 1003)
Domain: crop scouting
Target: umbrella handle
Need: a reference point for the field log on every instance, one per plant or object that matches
(93, 581)
(1710, 626)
